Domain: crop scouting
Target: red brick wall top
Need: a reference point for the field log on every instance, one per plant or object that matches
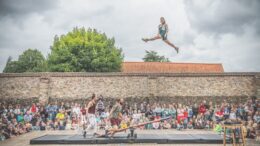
(169, 67)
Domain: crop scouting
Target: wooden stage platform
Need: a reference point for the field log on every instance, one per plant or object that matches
(122, 138)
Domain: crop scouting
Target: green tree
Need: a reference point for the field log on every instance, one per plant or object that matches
(30, 60)
(84, 51)
(12, 67)
(152, 56)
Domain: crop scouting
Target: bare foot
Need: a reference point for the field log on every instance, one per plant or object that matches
(145, 40)
(177, 49)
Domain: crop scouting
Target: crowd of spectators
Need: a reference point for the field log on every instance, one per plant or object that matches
(17, 119)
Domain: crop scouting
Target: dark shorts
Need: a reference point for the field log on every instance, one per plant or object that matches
(115, 121)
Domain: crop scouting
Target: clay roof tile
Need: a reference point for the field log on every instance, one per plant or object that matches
(170, 67)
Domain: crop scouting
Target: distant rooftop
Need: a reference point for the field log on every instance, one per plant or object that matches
(170, 67)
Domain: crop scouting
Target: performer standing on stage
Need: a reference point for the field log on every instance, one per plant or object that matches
(90, 114)
(115, 114)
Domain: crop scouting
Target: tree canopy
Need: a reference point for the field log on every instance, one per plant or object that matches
(30, 60)
(84, 51)
(78, 51)
(152, 56)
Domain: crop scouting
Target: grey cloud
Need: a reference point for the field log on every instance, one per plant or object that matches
(197, 29)
(223, 16)
(19, 8)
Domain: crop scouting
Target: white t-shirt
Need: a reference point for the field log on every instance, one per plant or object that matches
(232, 116)
(76, 110)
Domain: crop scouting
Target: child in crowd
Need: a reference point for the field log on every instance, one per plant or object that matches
(166, 124)
(156, 125)
(218, 128)
(190, 126)
(180, 124)
(68, 124)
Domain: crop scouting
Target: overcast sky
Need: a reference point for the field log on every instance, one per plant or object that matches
(207, 31)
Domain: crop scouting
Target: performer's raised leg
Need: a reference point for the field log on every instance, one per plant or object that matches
(151, 39)
(172, 45)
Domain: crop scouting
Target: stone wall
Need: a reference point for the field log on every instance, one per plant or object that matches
(116, 85)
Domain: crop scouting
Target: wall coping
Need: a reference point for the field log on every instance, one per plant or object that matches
(120, 74)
